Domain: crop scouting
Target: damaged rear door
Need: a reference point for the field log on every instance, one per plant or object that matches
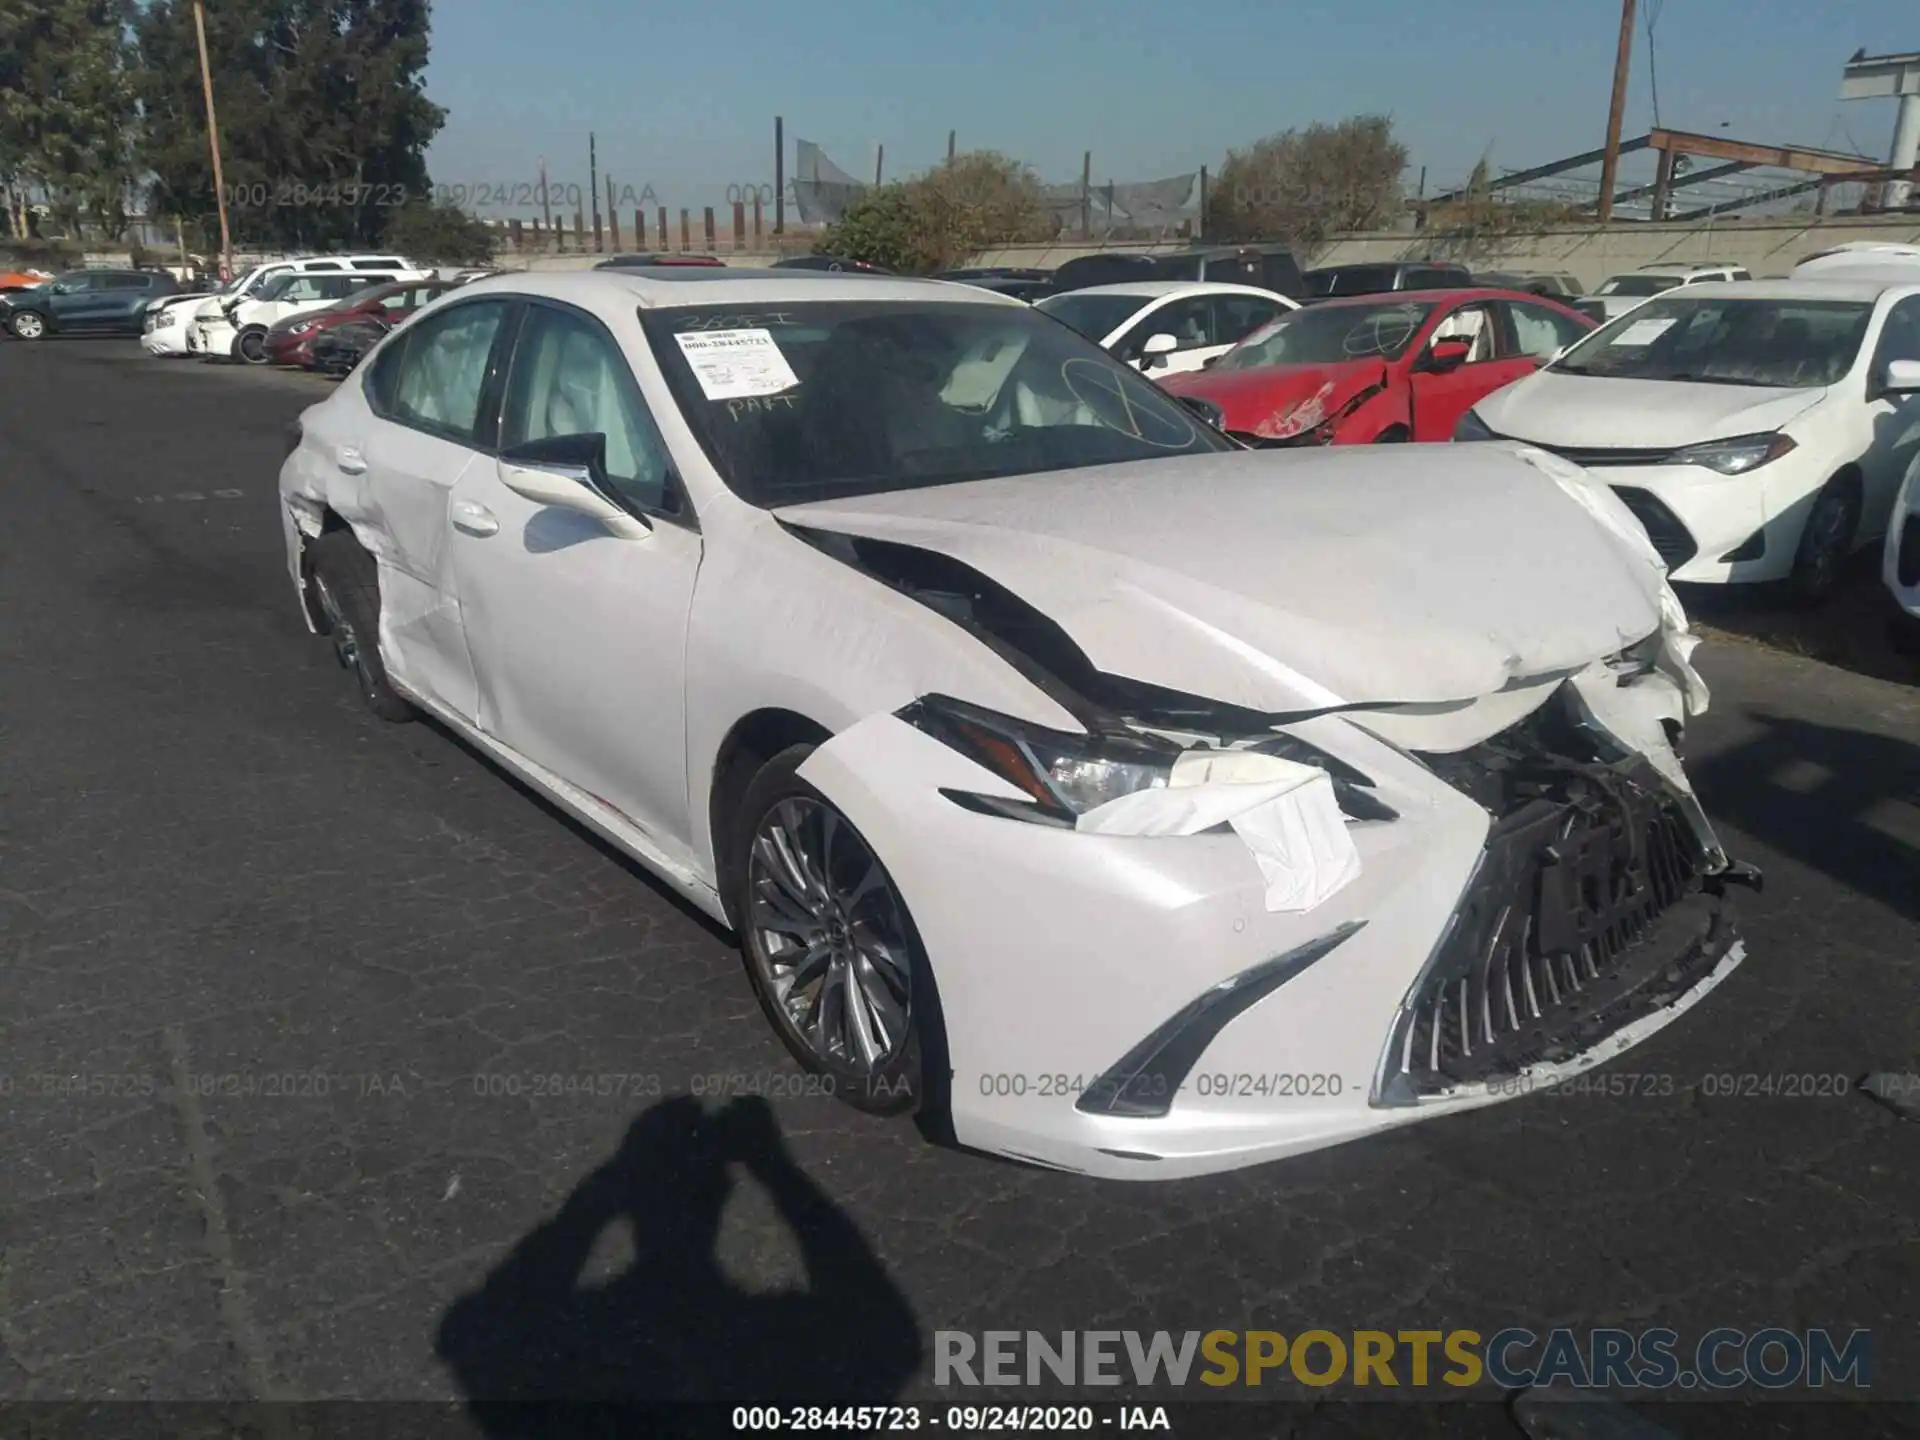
(428, 426)
(578, 635)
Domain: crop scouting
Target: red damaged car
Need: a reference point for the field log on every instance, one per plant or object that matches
(1378, 368)
(290, 342)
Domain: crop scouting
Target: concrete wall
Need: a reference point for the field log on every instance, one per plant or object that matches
(1766, 247)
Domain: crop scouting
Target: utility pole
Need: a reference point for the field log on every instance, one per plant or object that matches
(779, 176)
(213, 141)
(546, 205)
(1610, 164)
(593, 187)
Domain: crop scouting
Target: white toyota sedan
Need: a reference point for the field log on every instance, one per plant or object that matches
(1758, 429)
(1122, 800)
(1165, 327)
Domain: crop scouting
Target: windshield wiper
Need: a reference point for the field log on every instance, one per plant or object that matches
(1686, 378)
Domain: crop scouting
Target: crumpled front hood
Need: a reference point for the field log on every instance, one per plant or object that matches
(1548, 408)
(1276, 402)
(1287, 580)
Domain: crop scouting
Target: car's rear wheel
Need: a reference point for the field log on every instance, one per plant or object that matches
(830, 949)
(346, 589)
(28, 325)
(251, 345)
(1825, 543)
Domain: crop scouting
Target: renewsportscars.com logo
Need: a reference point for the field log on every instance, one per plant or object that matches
(1512, 1359)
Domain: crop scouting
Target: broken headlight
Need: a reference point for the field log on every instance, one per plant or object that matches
(1065, 775)
(1062, 773)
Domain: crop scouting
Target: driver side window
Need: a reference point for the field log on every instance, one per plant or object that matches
(1899, 337)
(1473, 323)
(1189, 321)
(570, 378)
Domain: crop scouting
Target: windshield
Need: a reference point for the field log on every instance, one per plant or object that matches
(1351, 280)
(1094, 316)
(277, 287)
(1638, 285)
(1725, 340)
(1330, 335)
(824, 400)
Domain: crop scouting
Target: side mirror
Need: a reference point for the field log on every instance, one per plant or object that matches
(1901, 377)
(1207, 410)
(1156, 347)
(568, 472)
(1448, 354)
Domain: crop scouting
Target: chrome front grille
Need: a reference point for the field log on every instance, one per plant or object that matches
(1590, 908)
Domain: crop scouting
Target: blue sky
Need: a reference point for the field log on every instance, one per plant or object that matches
(682, 95)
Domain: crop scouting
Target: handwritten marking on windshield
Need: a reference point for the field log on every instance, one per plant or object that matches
(758, 404)
(739, 322)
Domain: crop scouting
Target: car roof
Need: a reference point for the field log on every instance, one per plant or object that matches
(664, 286)
(1159, 289)
(1703, 268)
(1386, 265)
(1457, 292)
(1850, 286)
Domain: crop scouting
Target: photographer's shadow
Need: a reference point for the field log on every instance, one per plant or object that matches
(672, 1326)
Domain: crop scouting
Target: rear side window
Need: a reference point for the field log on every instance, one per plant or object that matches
(129, 282)
(439, 378)
(379, 265)
(1281, 274)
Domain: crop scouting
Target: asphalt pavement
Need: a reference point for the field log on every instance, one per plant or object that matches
(335, 1066)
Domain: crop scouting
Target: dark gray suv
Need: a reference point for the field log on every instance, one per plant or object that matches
(85, 302)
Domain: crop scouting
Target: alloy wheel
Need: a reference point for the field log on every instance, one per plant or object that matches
(252, 346)
(29, 326)
(828, 935)
(1826, 544)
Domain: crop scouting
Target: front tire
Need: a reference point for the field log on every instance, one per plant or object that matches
(28, 325)
(346, 587)
(250, 345)
(1826, 541)
(830, 950)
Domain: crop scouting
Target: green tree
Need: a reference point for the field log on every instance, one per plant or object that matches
(943, 216)
(324, 120)
(1301, 186)
(67, 110)
(436, 233)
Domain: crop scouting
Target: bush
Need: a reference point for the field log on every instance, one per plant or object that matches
(436, 233)
(36, 253)
(944, 216)
(1303, 185)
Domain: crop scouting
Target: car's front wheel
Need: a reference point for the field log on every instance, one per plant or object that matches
(346, 589)
(1825, 543)
(28, 325)
(251, 345)
(829, 946)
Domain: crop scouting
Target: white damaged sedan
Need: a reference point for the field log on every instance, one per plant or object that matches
(1121, 800)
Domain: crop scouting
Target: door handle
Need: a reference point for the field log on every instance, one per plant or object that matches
(351, 461)
(473, 519)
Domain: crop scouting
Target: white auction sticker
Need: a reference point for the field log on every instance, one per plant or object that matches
(736, 364)
(1642, 332)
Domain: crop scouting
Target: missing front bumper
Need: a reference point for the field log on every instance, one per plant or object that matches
(1596, 904)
